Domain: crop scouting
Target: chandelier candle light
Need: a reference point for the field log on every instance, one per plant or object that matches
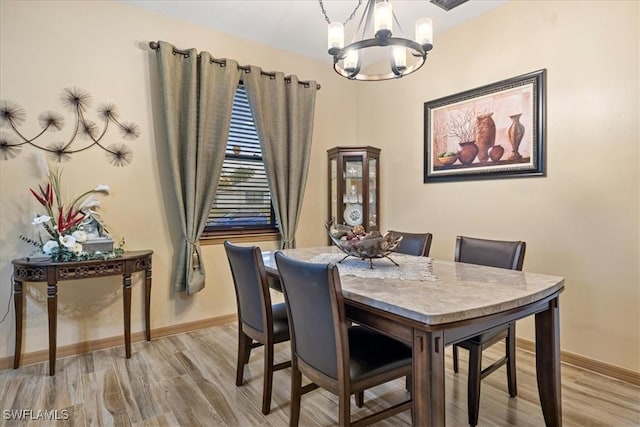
(376, 30)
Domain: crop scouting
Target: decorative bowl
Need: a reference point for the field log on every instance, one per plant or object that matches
(447, 160)
(356, 243)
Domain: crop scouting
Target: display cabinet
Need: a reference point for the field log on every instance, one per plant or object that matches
(354, 174)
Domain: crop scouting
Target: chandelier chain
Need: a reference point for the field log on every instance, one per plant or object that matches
(326, 17)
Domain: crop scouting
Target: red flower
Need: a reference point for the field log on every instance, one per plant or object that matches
(68, 221)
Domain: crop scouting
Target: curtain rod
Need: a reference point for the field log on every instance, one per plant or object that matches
(154, 45)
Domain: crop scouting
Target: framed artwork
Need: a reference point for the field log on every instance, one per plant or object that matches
(494, 131)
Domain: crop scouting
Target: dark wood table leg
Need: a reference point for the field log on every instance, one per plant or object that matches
(548, 363)
(428, 407)
(147, 303)
(17, 305)
(126, 300)
(52, 305)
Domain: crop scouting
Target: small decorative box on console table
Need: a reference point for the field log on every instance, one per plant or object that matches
(99, 244)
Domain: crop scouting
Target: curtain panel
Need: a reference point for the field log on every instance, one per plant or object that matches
(197, 96)
(283, 111)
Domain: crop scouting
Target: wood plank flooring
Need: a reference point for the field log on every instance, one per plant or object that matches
(189, 380)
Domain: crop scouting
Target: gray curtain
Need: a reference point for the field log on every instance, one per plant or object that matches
(283, 112)
(197, 96)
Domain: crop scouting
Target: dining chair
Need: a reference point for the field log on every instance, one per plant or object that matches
(258, 319)
(492, 253)
(418, 244)
(342, 359)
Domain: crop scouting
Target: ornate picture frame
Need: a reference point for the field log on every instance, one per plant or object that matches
(493, 131)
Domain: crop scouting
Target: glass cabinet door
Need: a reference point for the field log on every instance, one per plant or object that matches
(373, 207)
(333, 188)
(352, 197)
(353, 186)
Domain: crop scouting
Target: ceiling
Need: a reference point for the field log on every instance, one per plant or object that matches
(298, 26)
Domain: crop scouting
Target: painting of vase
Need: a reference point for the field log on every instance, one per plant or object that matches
(468, 152)
(485, 135)
(515, 134)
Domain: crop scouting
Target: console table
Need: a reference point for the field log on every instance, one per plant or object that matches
(45, 270)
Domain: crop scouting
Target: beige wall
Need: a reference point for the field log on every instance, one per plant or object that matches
(581, 221)
(102, 47)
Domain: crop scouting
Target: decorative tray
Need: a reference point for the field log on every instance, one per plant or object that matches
(366, 246)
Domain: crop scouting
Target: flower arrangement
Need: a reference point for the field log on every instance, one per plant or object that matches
(67, 226)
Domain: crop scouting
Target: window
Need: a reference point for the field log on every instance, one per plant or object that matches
(243, 201)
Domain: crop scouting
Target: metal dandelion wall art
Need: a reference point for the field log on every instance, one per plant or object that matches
(86, 133)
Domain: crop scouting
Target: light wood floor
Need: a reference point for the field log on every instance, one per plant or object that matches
(189, 380)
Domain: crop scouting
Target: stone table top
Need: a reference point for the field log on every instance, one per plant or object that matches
(459, 292)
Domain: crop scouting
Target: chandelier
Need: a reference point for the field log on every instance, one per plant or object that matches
(386, 56)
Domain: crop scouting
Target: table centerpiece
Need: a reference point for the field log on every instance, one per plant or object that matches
(356, 242)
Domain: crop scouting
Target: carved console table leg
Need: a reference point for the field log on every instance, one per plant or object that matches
(17, 305)
(52, 304)
(126, 300)
(147, 303)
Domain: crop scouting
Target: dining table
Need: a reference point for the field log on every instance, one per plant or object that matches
(430, 304)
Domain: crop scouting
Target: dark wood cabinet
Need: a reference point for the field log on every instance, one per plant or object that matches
(354, 190)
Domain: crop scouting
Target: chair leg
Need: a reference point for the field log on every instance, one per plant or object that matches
(296, 395)
(248, 352)
(359, 399)
(244, 349)
(344, 408)
(511, 360)
(473, 385)
(455, 358)
(268, 378)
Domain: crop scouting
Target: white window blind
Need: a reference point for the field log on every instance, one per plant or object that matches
(243, 200)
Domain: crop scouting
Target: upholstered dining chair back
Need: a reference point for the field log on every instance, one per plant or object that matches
(492, 253)
(418, 244)
(311, 291)
(259, 322)
(252, 293)
(342, 359)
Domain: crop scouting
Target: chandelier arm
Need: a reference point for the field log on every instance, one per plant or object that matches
(367, 19)
(400, 30)
(418, 49)
(377, 77)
